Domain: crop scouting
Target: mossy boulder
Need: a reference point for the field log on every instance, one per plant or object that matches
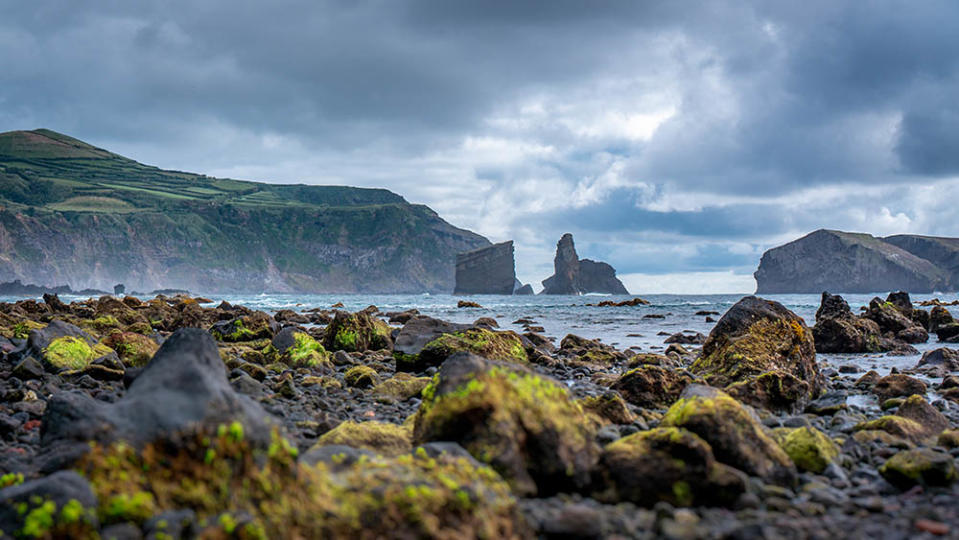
(810, 449)
(666, 464)
(652, 386)
(503, 346)
(222, 477)
(774, 390)
(579, 351)
(360, 331)
(920, 466)
(949, 438)
(134, 349)
(382, 438)
(63, 346)
(304, 351)
(361, 377)
(114, 308)
(402, 386)
(255, 326)
(524, 425)
(897, 385)
(61, 505)
(610, 407)
(736, 436)
(893, 322)
(903, 428)
(758, 336)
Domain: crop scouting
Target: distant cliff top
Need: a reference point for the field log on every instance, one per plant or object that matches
(838, 261)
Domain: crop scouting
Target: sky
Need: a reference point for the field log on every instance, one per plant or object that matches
(676, 140)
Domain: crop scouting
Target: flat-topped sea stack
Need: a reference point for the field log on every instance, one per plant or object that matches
(487, 270)
(827, 260)
(580, 276)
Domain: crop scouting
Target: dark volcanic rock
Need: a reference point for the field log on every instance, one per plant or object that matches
(184, 387)
(943, 252)
(575, 276)
(60, 488)
(838, 330)
(487, 270)
(847, 262)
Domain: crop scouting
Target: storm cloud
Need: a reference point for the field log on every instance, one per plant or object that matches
(671, 138)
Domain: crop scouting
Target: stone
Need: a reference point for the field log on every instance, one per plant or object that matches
(736, 437)
(652, 386)
(574, 276)
(939, 362)
(183, 388)
(415, 334)
(486, 270)
(666, 464)
(379, 437)
(921, 466)
(757, 337)
(27, 369)
(838, 330)
(525, 426)
(59, 505)
(810, 449)
(897, 385)
(357, 332)
(506, 346)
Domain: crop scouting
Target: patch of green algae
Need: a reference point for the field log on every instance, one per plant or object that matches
(306, 352)
(810, 449)
(70, 352)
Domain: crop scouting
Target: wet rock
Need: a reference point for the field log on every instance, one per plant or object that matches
(524, 425)
(868, 380)
(652, 386)
(892, 321)
(183, 388)
(838, 330)
(686, 337)
(361, 377)
(610, 407)
(755, 337)
(829, 404)
(920, 466)
(736, 437)
(506, 346)
(897, 385)
(402, 317)
(810, 449)
(358, 331)
(939, 316)
(948, 332)
(666, 464)
(939, 362)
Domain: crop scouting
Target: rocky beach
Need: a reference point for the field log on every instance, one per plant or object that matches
(182, 417)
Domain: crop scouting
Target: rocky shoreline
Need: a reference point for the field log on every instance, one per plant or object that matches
(171, 418)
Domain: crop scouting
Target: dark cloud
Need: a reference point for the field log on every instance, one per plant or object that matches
(722, 127)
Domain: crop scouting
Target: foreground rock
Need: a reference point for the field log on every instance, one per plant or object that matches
(736, 437)
(184, 388)
(525, 426)
(575, 276)
(486, 270)
(763, 354)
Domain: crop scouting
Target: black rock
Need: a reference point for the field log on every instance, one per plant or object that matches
(60, 487)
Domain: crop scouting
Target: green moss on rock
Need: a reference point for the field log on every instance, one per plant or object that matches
(502, 346)
(381, 437)
(810, 449)
(70, 352)
(920, 466)
(306, 352)
(361, 377)
(402, 386)
(134, 349)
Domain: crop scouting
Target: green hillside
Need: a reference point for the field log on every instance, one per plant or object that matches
(80, 215)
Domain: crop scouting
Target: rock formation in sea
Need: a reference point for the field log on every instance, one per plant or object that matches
(846, 262)
(487, 270)
(573, 275)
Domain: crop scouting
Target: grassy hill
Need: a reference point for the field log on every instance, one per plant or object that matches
(77, 214)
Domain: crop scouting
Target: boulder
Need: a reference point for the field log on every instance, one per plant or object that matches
(609, 407)
(948, 332)
(921, 466)
(838, 330)
(134, 350)
(892, 322)
(652, 386)
(939, 362)
(756, 337)
(525, 426)
(666, 464)
(415, 334)
(574, 276)
(939, 316)
(61, 345)
(810, 449)
(897, 385)
(506, 346)
(183, 388)
(382, 438)
(736, 436)
(358, 331)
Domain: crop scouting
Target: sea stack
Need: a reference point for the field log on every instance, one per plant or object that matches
(575, 276)
(487, 270)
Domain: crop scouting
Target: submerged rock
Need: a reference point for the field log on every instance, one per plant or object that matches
(525, 426)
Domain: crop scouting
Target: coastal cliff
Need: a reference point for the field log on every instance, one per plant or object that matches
(73, 213)
(827, 260)
(487, 270)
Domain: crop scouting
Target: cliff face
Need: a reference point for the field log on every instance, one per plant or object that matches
(487, 270)
(574, 276)
(845, 262)
(74, 214)
(943, 252)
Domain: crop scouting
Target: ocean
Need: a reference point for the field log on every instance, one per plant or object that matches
(623, 327)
